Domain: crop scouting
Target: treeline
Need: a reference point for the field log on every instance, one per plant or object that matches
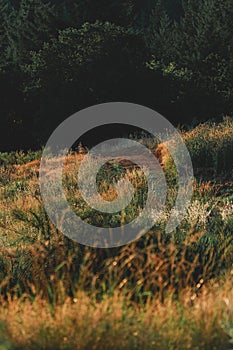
(57, 57)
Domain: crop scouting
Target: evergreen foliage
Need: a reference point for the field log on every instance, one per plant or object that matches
(175, 56)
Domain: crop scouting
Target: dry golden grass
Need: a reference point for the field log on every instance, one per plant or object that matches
(160, 292)
(203, 320)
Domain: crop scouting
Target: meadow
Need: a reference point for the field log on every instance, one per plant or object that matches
(162, 291)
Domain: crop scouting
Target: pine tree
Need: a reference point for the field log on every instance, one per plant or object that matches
(200, 44)
(23, 28)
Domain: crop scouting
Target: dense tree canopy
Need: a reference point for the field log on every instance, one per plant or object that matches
(59, 56)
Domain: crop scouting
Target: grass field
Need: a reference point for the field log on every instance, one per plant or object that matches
(163, 291)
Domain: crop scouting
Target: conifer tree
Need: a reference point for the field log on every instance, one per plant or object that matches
(200, 44)
(24, 27)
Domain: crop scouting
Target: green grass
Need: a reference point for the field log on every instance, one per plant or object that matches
(163, 291)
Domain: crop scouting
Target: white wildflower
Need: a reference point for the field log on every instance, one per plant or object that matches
(199, 212)
(226, 210)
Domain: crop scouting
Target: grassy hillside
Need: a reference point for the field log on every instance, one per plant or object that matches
(163, 291)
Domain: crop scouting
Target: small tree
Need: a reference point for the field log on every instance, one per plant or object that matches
(97, 63)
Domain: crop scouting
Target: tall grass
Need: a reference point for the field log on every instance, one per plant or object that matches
(211, 147)
(163, 291)
(203, 320)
